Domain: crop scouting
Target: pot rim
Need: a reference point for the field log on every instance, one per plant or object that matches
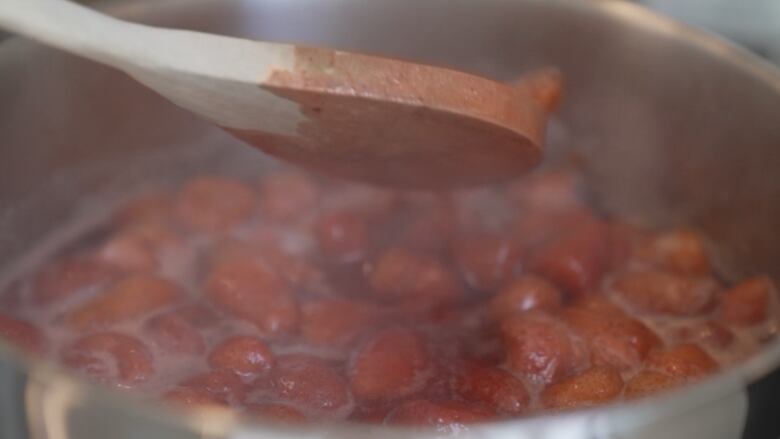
(607, 419)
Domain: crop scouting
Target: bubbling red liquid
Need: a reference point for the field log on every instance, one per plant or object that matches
(299, 299)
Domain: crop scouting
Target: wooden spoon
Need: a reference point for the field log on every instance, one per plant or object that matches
(362, 117)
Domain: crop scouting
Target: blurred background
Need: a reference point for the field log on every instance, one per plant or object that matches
(754, 24)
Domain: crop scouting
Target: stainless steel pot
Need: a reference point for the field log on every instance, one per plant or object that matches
(671, 126)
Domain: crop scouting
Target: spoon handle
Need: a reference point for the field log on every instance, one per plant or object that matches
(77, 29)
(214, 76)
(140, 49)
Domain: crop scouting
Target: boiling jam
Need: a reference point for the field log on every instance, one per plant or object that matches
(298, 299)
